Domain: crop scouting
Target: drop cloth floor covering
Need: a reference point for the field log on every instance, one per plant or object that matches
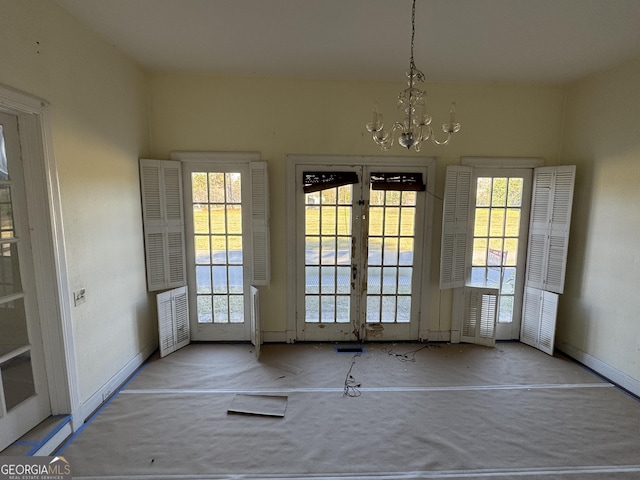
(457, 411)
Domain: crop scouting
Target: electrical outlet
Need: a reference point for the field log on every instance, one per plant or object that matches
(79, 297)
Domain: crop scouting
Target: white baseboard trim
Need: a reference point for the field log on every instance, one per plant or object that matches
(611, 373)
(108, 389)
(55, 441)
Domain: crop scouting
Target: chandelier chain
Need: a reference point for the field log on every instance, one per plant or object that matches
(412, 64)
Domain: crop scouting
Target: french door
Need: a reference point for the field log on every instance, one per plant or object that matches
(359, 263)
(24, 396)
(216, 197)
(500, 209)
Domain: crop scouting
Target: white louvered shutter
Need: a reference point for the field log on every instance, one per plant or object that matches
(478, 324)
(455, 222)
(260, 224)
(163, 220)
(173, 320)
(256, 327)
(539, 313)
(551, 206)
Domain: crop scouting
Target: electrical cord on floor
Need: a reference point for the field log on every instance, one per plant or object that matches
(351, 387)
(409, 356)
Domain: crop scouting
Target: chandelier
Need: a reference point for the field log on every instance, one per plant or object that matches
(415, 128)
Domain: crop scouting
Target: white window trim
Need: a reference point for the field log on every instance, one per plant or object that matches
(502, 162)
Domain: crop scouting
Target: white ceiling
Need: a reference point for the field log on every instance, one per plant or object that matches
(456, 40)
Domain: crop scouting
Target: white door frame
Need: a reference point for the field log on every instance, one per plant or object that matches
(292, 162)
(47, 240)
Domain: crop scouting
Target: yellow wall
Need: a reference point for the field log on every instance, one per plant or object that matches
(99, 129)
(599, 311)
(277, 117)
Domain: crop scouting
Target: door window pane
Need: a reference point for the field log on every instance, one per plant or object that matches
(17, 380)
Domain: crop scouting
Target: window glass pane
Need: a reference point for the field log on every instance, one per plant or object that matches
(312, 251)
(479, 251)
(10, 281)
(373, 309)
(343, 277)
(328, 250)
(200, 219)
(328, 196)
(409, 198)
(388, 313)
(312, 198)
(376, 197)
(508, 281)
(483, 192)
(216, 187)
(404, 280)
(17, 380)
(404, 310)
(203, 305)
(495, 252)
(392, 197)
(496, 226)
(234, 187)
(505, 309)
(514, 198)
(390, 251)
(199, 187)
(312, 280)
(203, 279)
(344, 251)
(376, 215)
(375, 251)
(218, 219)
(344, 221)
(343, 305)
(203, 252)
(328, 220)
(499, 193)
(478, 275)
(235, 279)
(236, 309)
(220, 279)
(510, 251)
(406, 251)
(218, 249)
(408, 221)
(312, 220)
(512, 224)
(389, 280)
(327, 281)
(344, 194)
(234, 219)
(481, 226)
(220, 309)
(235, 249)
(312, 308)
(391, 220)
(328, 305)
(374, 275)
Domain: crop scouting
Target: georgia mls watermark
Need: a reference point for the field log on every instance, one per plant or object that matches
(34, 468)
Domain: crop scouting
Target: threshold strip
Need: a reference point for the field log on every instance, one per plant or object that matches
(478, 473)
(470, 388)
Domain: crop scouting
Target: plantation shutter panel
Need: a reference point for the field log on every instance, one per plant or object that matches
(173, 320)
(539, 315)
(260, 224)
(455, 221)
(163, 221)
(551, 206)
(479, 316)
(256, 327)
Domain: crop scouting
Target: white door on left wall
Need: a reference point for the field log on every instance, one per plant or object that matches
(24, 395)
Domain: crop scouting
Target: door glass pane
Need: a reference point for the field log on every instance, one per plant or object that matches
(17, 380)
(217, 220)
(390, 245)
(328, 249)
(4, 168)
(495, 238)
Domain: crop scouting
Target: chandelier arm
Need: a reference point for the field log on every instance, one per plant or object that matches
(443, 142)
